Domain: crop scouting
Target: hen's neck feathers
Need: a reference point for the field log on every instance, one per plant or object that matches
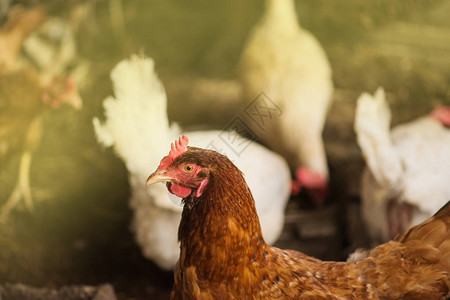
(225, 218)
(281, 14)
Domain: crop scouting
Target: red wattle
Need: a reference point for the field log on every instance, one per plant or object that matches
(178, 190)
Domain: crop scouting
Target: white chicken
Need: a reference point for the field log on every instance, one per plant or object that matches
(288, 65)
(408, 169)
(138, 128)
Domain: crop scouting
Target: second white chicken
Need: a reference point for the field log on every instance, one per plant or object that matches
(408, 168)
(288, 65)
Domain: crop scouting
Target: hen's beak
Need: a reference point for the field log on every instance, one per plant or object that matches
(73, 98)
(158, 176)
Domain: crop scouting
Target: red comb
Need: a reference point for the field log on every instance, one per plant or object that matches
(176, 149)
(179, 147)
(442, 113)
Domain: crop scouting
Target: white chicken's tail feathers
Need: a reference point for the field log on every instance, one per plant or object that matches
(372, 122)
(136, 118)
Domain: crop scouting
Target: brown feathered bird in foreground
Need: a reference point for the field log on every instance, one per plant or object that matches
(224, 255)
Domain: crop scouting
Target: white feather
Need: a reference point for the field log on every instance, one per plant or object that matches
(372, 125)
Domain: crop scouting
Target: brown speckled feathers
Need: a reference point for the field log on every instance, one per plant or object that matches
(224, 255)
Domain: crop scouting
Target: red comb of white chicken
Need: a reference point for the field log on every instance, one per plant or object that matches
(315, 182)
(442, 113)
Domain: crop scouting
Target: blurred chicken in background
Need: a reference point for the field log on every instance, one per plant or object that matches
(18, 26)
(408, 168)
(287, 64)
(30, 85)
(138, 128)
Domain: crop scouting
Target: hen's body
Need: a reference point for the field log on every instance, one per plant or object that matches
(224, 255)
(289, 66)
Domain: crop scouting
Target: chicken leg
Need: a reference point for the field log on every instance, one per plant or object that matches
(22, 189)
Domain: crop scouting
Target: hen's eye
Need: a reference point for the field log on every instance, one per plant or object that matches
(188, 168)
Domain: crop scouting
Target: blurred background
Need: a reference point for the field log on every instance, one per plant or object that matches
(78, 232)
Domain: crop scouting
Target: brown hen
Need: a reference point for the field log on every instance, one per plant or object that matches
(24, 98)
(224, 255)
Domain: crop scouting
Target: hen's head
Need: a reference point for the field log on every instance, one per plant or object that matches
(185, 169)
(210, 184)
(315, 183)
(62, 91)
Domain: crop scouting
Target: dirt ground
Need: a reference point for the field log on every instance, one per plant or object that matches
(79, 231)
